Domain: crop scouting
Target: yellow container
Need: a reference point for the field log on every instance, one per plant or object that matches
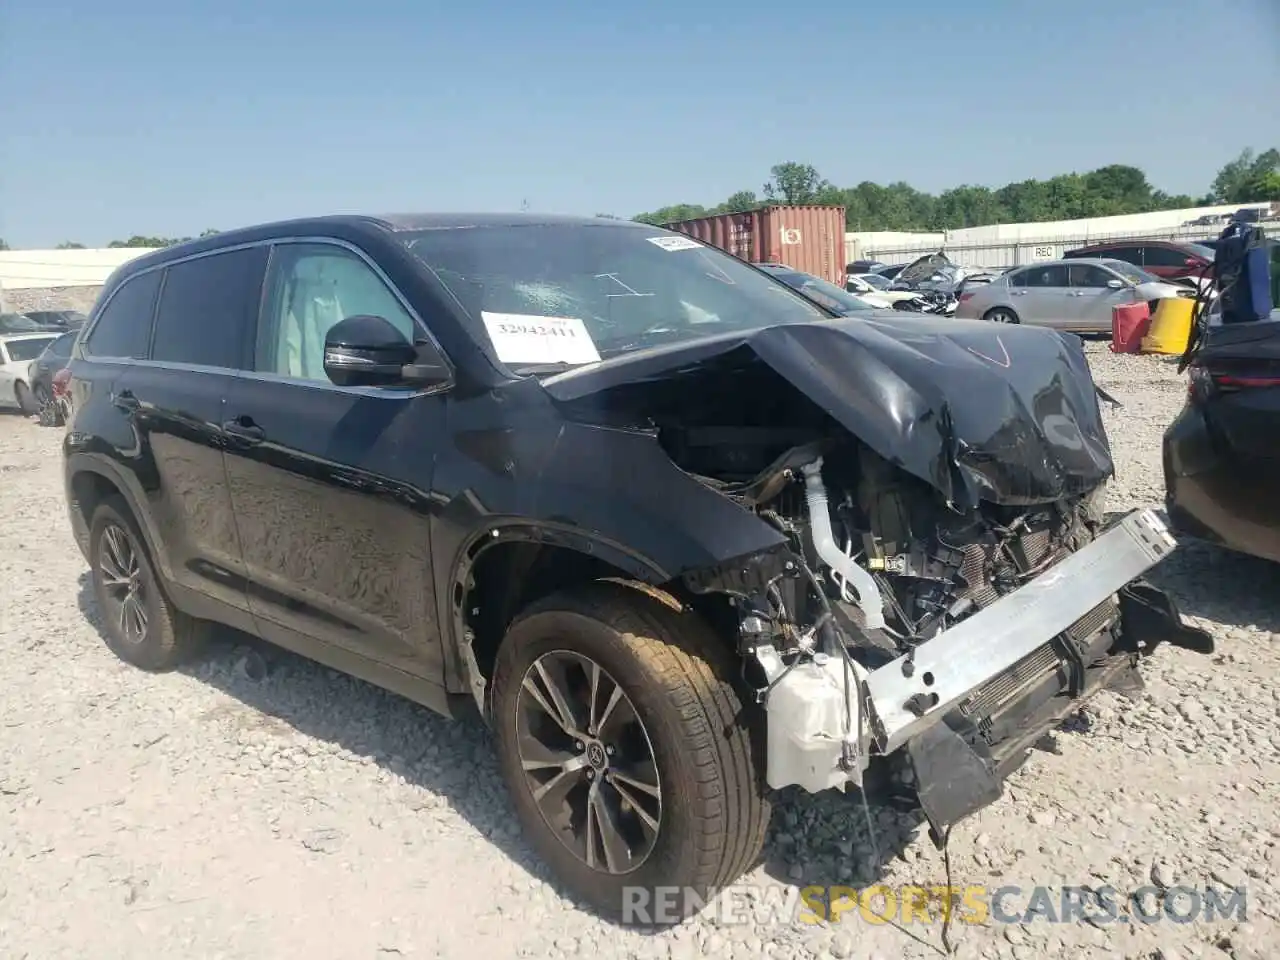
(1170, 326)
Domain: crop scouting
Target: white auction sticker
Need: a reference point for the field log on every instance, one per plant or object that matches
(525, 338)
(674, 243)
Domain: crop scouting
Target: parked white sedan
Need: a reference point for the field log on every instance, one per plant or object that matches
(1076, 295)
(875, 289)
(17, 352)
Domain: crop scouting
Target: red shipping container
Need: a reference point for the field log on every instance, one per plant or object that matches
(806, 238)
(1129, 323)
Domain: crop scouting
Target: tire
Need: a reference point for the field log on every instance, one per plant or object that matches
(118, 552)
(25, 401)
(678, 680)
(49, 414)
(1001, 315)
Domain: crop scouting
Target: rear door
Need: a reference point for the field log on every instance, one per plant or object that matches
(1045, 298)
(329, 482)
(175, 401)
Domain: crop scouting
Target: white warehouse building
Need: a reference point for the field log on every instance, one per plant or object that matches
(1011, 244)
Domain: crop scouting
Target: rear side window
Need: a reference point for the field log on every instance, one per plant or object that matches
(1127, 254)
(1165, 257)
(124, 326)
(1054, 276)
(208, 309)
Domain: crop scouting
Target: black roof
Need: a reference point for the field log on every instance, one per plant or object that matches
(387, 223)
(445, 221)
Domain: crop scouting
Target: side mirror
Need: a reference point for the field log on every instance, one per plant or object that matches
(368, 351)
(1115, 284)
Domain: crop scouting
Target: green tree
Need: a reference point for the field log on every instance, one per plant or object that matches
(796, 183)
(140, 241)
(1240, 179)
(1261, 186)
(673, 214)
(3, 245)
(1106, 191)
(741, 202)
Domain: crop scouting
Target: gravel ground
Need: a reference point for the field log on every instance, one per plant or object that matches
(271, 808)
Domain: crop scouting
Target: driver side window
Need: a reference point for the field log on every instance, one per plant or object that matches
(310, 288)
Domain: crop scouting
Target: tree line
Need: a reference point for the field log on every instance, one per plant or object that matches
(1106, 191)
(1116, 189)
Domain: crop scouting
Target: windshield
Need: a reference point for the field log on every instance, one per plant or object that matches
(820, 291)
(548, 294)
(1200, 250)
(20, 350)
(874, 280)
(1131, 273)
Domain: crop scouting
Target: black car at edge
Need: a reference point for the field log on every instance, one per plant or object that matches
(596, 482)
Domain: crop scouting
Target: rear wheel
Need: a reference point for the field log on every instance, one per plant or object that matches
(1001, 315)
(26, 402)
(142, 627)
(624, 743)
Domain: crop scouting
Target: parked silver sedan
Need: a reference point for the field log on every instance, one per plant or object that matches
(1075, 295)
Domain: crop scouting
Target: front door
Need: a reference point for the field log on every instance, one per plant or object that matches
(329, 483)
(1092, 300)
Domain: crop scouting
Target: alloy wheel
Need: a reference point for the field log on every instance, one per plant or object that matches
(122, 583)
(588, 762)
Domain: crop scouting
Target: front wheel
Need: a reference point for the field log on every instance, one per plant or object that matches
(623, 741)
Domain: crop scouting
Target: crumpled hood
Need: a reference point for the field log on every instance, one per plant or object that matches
(924, 268)
(1007, 414)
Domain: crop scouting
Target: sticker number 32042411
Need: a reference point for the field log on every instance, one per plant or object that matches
(523, 338)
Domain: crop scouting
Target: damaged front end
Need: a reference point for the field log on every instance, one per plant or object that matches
(918, 653)
(948, 588)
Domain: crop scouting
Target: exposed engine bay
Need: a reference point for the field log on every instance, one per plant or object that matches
(879, 566)
(943, 587)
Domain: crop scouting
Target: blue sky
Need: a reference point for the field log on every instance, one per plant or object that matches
(164, 118)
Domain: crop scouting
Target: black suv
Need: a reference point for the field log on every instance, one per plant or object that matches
(677, 533)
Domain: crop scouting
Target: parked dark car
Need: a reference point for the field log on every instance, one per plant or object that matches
(839, 301)
(1222, 453)
(609, 487)
(1167, 259)
(863, 266)
(21, 323)
(62, 319)
(56, 356)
